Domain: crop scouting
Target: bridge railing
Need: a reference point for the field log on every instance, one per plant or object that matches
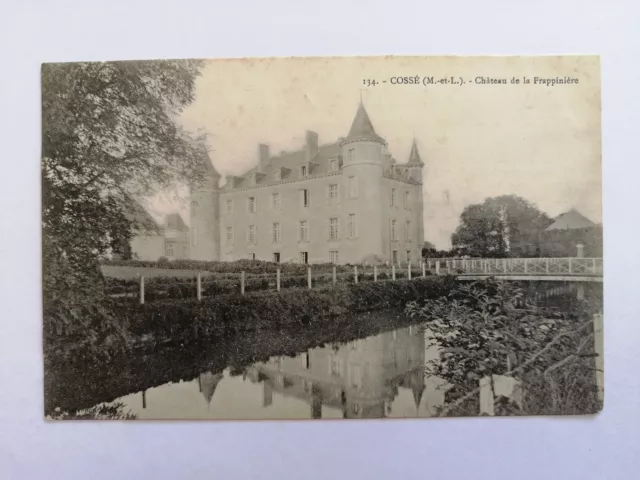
(522, 266)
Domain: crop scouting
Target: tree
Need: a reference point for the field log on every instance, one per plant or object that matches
(108, 133)
(502, 226)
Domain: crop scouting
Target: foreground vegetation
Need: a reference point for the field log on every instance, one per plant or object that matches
(488, 328)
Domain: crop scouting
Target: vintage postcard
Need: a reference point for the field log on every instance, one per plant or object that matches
(292, 238)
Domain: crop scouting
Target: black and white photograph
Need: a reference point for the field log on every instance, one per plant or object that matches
(322, 238)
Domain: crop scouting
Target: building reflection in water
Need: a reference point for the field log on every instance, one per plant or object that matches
(376, 377)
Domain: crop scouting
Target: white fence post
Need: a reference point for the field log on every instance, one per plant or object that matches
(199, 287)
(333, 278)
(393, 272)
(437, 267)
(141, 289)
(355, 274)
(278, 280)
(375, 273)
(424, 271)
(309, 277)
(242, 283)
(409, 270)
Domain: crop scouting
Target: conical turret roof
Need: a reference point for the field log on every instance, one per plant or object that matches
(414, 156)
(362, 128)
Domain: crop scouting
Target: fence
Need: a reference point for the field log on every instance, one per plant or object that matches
(520, 266)
(277, 282)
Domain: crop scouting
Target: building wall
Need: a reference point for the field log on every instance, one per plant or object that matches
(204, 214)
(147, 247)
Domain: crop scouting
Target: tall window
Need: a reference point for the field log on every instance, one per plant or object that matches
(335, 366)
(350, 153)
(252, 256)
(304, 257)
(304, 231)
(275, 201)
(408, 255)
(406, 200)
(333, 229)
(252, 234)
(304, 198)
(393, 230)
(194, 209)
(395, 260)
(351, 225)
(334, 256)
(229, 206)
(393, 197)
(333, 165)
(407, 230)
(251, 205)
(229, 235)
(303, 171)
(276, 233)
(333, 194)
(169, 250)
(353, 187)
(194, 236)
(276, 257)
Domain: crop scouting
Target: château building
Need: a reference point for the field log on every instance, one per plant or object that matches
(342, 202)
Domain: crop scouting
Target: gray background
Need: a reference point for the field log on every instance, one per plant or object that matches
(542, 448)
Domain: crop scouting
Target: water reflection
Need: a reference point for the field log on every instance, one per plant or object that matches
(375, 377)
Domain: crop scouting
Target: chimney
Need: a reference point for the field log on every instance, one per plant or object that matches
(263, 157)
(312, 145)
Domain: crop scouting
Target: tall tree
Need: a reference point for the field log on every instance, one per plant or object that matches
(109, 132)
(504, 226)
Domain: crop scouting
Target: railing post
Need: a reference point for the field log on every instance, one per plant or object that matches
(504, 265)
(309, 277)
(141, 289)
(570, 266)
(277, 279)
(375, 273)
(546, 265)
(438, 268)
(409, 270)
(199, 287)
(355, 274)
(393, 272)
(424, 271)
(525, 265)
(242, 283)
(333, 278)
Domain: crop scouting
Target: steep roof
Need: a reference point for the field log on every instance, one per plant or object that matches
(175, 222)
(362, 128)
(139, 215)
(570, 220)
(414, 156)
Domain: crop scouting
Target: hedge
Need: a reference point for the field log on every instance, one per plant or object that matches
(186, 320)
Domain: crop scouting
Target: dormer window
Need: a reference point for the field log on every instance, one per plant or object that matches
(303, 171)
(277, 175)
(333, 165)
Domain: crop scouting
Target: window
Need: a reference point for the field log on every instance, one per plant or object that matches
(334, 256)
(304, 197)
(393, 197)
(333, 165)
(304, 257)
(351, 225)
(395, 256)
(335, 366)
(353, 187)
(333, 194)
(304, 231)
(275, 201)
(303, 171)
(350, 155)
(229, 207)
(276, 233)
(251, 206)
(252, 256)
(407, 230)
(305, 361)
(408, 256)
(333, 229)
(276, 257)
(252, 234)
(229, 235)
(406, 200)
(194, 209)
(393, 231)
(194, 236)
(169, 250)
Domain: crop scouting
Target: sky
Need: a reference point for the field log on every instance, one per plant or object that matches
(477, 140)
